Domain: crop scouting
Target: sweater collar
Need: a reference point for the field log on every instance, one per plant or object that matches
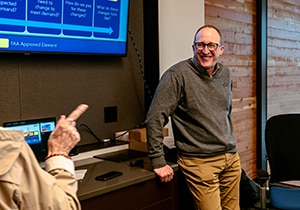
(203, 70)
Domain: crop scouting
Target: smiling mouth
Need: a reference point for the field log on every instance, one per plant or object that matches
(206, 57)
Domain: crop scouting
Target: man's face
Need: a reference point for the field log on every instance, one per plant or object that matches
(207, 57)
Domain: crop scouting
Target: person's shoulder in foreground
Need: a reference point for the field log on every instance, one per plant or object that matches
(24, 184)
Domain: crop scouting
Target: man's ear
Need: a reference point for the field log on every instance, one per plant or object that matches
(221, 49)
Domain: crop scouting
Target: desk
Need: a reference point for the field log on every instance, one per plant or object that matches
(137, 188)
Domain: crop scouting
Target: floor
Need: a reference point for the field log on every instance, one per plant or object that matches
(257, 207)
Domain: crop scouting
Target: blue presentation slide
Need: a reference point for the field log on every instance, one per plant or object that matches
(63, 25)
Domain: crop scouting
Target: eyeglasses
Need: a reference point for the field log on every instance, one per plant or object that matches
(211, 46)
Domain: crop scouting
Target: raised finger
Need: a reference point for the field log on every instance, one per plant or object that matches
(78, 112)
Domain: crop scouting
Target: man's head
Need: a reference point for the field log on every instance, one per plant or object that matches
(207, 46)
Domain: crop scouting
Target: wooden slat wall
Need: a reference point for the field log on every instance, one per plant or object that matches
(283, 57)
(237, 21)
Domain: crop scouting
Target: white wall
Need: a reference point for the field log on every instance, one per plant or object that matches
(178, 22)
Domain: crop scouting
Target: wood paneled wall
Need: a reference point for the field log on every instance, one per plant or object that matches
(237, 22)
(283, 92)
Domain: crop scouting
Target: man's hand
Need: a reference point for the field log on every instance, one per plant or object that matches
(65, 135)
(165, 173)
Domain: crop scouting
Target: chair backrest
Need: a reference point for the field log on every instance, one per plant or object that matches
(282, 139)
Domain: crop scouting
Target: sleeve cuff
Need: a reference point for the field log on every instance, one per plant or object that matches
(60, 162)
(158, 162)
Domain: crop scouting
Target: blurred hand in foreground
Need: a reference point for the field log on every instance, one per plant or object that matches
(65, 135)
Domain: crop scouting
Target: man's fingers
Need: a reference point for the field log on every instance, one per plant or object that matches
(78, 112)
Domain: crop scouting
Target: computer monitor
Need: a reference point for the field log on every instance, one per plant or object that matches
(38, 132)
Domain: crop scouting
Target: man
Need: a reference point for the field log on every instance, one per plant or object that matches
(24, 185)
(197, 95)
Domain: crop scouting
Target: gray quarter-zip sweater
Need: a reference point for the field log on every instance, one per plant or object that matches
(200, 109)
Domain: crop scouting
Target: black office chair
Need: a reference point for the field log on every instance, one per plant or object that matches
(282, 138)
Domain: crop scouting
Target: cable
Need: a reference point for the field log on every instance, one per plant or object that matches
(141, 125)
(146, 87)
(91, 132)
(122, 134)
(140, 64)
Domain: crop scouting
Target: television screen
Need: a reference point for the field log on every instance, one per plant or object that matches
(64, 26)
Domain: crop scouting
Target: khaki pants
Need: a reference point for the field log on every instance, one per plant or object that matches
(213, 181)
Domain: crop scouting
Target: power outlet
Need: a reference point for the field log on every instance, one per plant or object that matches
(110, 114)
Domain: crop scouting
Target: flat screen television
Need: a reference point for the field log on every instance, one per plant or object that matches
(64, 26)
